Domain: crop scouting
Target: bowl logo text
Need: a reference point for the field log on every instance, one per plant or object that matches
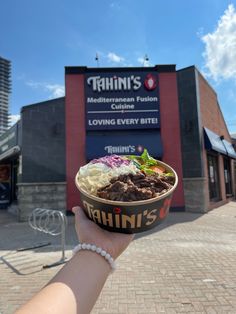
(118, 220)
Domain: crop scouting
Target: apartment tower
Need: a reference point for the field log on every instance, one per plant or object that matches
(5, 89)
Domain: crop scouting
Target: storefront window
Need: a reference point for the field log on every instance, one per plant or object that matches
(213, 174)
(227, 176)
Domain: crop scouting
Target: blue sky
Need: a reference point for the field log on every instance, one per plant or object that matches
(41, 37)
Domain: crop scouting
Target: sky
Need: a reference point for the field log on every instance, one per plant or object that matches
(41, 37)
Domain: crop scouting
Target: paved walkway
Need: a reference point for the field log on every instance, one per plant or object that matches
(188, 265)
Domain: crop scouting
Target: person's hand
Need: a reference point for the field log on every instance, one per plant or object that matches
(88, 232)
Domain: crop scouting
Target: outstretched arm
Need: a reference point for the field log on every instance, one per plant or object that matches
(76, 287)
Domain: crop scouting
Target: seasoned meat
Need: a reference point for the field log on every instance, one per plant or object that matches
(128, 188)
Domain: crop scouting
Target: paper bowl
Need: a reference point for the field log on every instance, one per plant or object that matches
(128, 217)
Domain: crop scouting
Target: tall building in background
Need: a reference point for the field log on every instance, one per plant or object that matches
(5, 89)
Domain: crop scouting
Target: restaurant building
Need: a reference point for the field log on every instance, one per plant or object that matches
(207, 151)
(174, 114)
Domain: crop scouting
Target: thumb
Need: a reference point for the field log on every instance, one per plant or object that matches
(79, 214)
(75, 209)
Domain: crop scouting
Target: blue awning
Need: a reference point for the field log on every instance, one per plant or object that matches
(99, 144)
(214, 142)
(230, 149)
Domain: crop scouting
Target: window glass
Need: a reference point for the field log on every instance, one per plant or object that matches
(213, 176)
(227, 176)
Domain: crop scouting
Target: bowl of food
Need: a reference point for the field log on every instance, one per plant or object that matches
(127, 194)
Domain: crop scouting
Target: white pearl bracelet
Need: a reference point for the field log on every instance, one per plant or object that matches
(95, 249)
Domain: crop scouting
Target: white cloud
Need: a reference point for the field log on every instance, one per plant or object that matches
(200, 32)
(115, 5)
(144, 61)
(140, 60)
(113, 57)
(220, 47)
(34, 84)
(56, 90)
(231, 95)
(13, 119)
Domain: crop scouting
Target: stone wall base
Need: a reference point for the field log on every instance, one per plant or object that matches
(196, 195)
(49, 195)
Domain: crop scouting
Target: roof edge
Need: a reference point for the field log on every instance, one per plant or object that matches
(85, 69)
(44, 102)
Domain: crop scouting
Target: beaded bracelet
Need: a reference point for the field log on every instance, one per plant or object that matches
(95, 249)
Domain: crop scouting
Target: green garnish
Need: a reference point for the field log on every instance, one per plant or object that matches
(147, 170)
(149, 165)
(147, 159)
(169, 174)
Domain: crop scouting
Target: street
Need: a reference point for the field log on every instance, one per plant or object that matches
(186, 265)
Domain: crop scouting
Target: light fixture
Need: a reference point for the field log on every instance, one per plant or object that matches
(97, 59)
(145, 59)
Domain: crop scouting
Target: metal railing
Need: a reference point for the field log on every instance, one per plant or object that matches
(52, 222)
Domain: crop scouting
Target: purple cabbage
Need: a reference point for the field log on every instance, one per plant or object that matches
(112, 161)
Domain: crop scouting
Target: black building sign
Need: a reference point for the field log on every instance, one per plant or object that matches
(124, 100)
(121, 143)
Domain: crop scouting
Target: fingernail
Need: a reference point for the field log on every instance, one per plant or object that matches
(74, 209)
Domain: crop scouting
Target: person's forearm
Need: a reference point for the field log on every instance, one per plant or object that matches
(74, 289)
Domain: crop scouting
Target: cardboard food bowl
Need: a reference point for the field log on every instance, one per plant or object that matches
(128, 217)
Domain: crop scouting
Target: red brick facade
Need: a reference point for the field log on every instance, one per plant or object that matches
(170, 129)
(75, 134)
(211, 117)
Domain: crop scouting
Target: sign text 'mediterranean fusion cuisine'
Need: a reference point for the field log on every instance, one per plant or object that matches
(123, 100)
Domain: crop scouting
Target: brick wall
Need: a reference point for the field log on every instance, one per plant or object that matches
(170, 131)
(211, 115)
(199, 108)
(212, 118)
(50, 195)
(75, 134)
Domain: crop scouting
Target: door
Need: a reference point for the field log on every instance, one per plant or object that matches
(227, 176)
(213, 176)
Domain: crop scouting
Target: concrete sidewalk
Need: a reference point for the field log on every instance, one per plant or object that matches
(186, 265)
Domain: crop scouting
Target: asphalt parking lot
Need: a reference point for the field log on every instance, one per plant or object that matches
(186, 265)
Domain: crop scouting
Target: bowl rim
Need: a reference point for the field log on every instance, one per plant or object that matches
(134, 203)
